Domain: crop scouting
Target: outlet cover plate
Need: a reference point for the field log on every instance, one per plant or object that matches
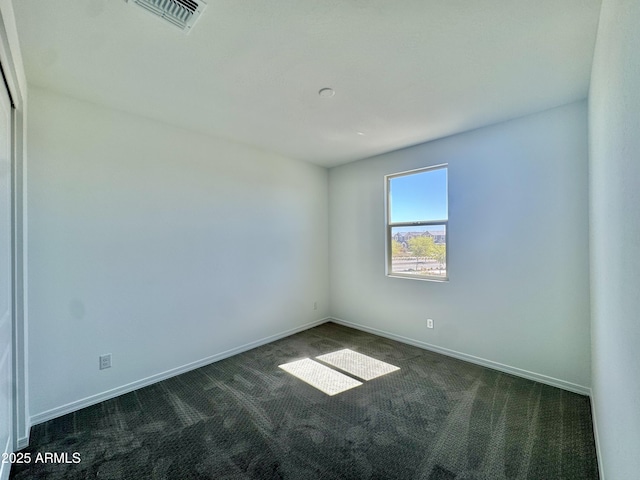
(105, 361)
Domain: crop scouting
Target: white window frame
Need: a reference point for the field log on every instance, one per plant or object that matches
(389, 225)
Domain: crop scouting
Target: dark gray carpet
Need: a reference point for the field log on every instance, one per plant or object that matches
(244, 418)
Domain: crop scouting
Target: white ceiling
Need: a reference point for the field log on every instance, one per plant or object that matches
(404, 72)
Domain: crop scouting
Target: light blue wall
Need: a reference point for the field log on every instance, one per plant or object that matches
(518, 293)
(614, 128)
(160, 246)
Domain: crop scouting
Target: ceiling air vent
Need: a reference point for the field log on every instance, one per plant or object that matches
(181, 13)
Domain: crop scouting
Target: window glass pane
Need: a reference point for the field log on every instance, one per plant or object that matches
(419, 251)
(418, 197)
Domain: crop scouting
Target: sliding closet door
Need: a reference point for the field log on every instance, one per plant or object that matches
(6, 388)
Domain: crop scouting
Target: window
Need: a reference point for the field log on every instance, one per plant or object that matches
(417, 218)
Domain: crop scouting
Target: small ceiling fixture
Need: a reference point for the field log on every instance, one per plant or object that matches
(181, 13)
(326, 92)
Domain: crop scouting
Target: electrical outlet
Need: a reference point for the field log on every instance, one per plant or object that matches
(315, 305)
(429, 323)
(105, 361)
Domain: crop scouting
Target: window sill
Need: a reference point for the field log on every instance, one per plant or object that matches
(415, 277)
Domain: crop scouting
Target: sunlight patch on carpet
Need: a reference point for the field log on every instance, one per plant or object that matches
(320, 376)
(358, 364)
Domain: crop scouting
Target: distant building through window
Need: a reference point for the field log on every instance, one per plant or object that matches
(417, 218)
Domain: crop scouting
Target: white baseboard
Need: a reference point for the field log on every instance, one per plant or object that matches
(519, 372)
(24, 441)
(114, 392)
(129, 387)
(594, 420)
(5, 468)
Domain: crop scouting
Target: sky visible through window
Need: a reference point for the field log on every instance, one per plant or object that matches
(418, 197)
